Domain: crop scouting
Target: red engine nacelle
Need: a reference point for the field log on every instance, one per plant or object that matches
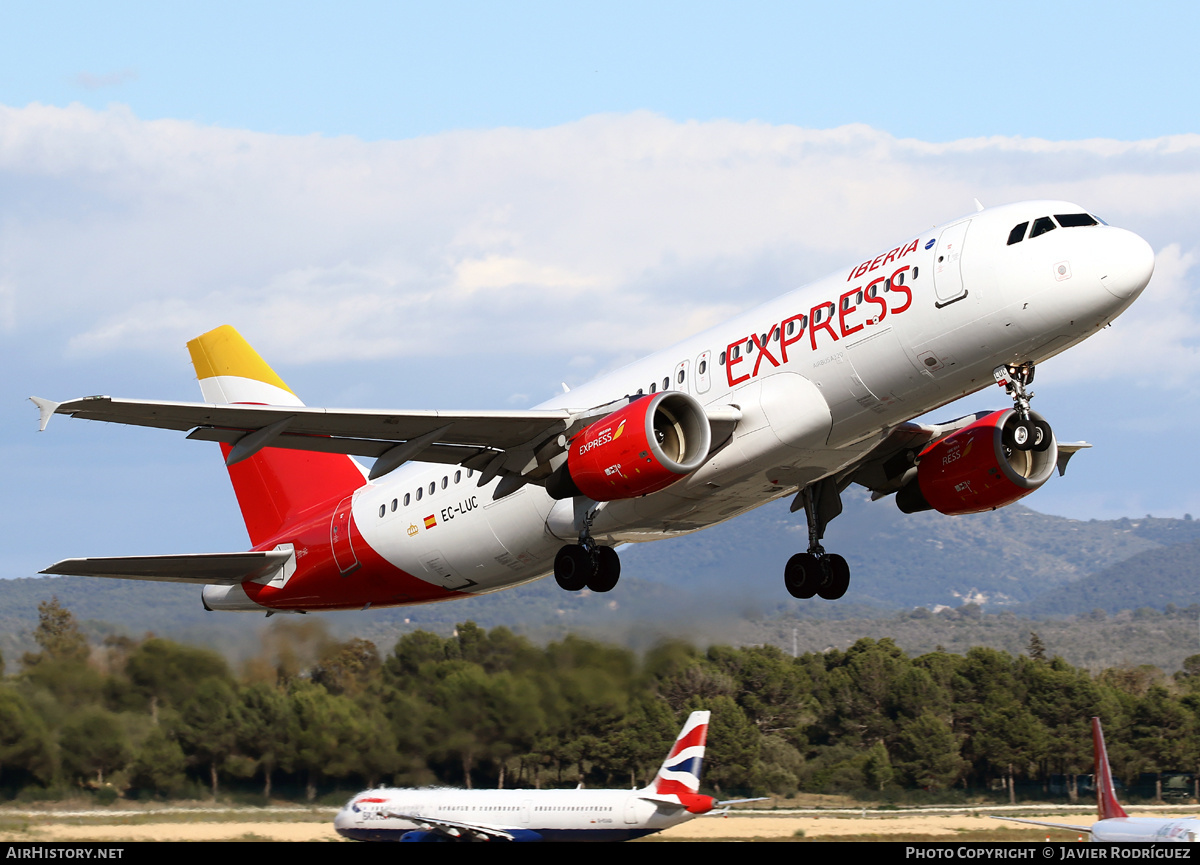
(639, 449)
(973, 470)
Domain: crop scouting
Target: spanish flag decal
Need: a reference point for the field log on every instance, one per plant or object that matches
(430, 521)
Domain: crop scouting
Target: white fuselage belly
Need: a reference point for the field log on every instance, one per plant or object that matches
(867, 366)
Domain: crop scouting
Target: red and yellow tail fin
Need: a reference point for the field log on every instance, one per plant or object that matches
(275, 485)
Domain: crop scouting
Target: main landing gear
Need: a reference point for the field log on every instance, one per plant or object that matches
(587, 565)
(1026, 434)
(817, 572)
(577, 567)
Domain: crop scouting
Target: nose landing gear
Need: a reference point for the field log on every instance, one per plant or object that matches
(1024, 433)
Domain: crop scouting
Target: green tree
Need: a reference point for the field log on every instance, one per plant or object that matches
(159, 764)
(927, 753)
(208, 726)
(58, 635)
(26, 751)
(94, 742)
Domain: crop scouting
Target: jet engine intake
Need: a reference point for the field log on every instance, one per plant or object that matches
(991, 463)
(639, 449)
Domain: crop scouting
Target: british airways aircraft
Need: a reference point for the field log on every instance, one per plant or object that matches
(799, 397)
(1114, 824)
(448, 814)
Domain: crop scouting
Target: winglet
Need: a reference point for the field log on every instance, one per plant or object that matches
(1066, 450)
(46, 408)
(1106, 796)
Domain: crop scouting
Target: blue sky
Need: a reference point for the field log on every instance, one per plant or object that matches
(460, 205)
(936, 71)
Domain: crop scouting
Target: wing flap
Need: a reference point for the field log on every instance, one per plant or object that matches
(222, 569)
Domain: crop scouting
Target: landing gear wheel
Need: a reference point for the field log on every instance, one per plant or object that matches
(1019, 436)
(837, 581)
(573, 567)
(801, 575)
(608, 570)
(1042, 436)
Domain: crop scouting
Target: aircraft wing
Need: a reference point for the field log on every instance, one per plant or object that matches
(455, 829)
(470, 438)
(518, 443)
(223, 569)
(1070, 827)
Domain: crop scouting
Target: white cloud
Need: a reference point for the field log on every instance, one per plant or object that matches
(88, 81)
(597, 238)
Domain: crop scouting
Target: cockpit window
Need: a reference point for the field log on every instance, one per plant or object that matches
(1041, 226)
(1017, 234)
(1074, 220)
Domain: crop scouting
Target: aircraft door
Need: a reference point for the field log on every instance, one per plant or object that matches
(631, 809)
(703, 374)
(679, 381)
(947, 267)
(339, 537)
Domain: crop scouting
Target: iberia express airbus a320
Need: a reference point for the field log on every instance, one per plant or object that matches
(800, 397)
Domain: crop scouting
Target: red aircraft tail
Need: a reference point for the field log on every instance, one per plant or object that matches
(1106, 795)
(274, 486)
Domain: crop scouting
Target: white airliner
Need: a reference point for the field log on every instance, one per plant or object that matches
(799, 397)
(448, 814)
(1114, 824)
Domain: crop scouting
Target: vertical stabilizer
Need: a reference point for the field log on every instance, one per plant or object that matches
(1106, 796)
(680, 772)
(274, 485)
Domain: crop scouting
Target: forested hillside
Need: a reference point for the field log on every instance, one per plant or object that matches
(310, 716)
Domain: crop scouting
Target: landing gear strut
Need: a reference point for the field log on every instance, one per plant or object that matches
(817, 572)
(587, 564)
(1025, 433)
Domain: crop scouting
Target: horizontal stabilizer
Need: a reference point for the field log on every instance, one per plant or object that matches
(222, 569)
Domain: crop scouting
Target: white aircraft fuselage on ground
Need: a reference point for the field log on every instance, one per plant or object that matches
(798, 397)
(451, 814)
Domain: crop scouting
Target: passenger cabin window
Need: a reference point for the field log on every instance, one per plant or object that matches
(1017, 234)
(1041, 226)
(432, 487)
(407, 499)
(679, 377)
(653, 387)
(445, 481)
(395, 504)
(703, 367)
(382, 510)
(667, 383)
(458, 476)
(1074, 220)
(721, 359)
(420, 492)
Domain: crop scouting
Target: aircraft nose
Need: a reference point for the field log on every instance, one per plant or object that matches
(1129, 264)
(343, 821)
